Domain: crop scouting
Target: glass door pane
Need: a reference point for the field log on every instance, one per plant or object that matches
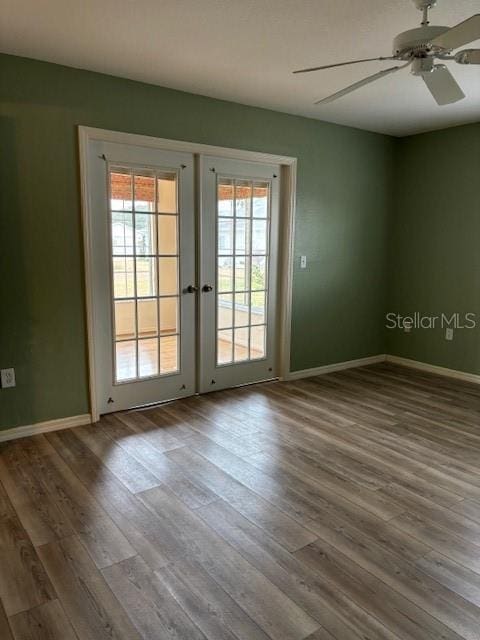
(242, 256)
(145, 259)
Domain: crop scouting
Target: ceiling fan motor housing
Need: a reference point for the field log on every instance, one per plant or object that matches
(416, 43)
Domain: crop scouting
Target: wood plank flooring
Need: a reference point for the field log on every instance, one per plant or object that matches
(341, 507)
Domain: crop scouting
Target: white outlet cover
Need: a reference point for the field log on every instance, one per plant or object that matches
(7, 378)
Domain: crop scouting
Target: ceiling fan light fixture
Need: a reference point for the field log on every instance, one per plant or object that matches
(421, 66)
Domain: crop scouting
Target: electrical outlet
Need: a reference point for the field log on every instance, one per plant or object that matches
(7, 377)
(303, 262)
(449, 334)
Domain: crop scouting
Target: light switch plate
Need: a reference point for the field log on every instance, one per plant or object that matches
(7, 377)
(449, 334)
(303, 262)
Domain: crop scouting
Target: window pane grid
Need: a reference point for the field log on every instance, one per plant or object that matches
(240, 326)
(148, 255)
(154, 214)
(242, 249)
(170, 335)
(132, 299)
(145, 261)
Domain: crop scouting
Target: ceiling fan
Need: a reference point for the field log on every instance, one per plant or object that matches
(420, 48)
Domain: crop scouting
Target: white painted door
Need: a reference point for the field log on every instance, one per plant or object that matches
(142, 240)
(238, 272)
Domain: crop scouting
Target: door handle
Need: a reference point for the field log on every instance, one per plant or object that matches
(191, 289)
(207, 287)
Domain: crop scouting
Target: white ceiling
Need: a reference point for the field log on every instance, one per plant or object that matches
(245, 50)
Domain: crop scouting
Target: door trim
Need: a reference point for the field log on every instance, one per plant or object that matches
(287, 215)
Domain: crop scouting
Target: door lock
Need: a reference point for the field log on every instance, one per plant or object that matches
(207, 288)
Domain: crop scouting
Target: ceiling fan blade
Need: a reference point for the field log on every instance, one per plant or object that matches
(463, 33)
(468, 56)
(361, 83)
(340, 64)
(443, 86)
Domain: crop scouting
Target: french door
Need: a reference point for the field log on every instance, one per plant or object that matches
(238, 268)
(181, 304)
(143, 262)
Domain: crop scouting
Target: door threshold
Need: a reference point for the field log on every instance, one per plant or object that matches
(161, 403)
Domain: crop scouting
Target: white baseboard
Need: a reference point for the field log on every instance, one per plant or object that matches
(44, 427)
(432, 368)
(77, 421)
(338, 366)
(406, 362)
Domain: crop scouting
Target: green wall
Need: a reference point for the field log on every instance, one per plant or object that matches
(387, 225)
(435, 243)
(343, 206)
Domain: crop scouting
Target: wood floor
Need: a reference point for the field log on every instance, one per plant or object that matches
(340, 507)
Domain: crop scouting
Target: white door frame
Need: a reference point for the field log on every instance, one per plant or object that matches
(287, 228)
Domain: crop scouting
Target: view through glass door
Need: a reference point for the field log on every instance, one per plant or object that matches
(239, 234)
